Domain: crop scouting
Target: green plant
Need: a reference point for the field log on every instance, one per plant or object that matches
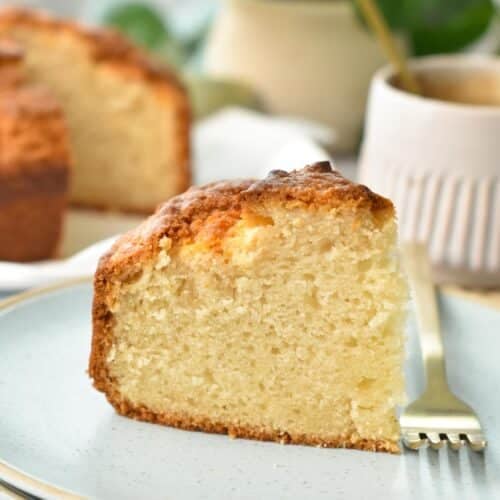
(439, 26)
(147, 27)
(140, 22)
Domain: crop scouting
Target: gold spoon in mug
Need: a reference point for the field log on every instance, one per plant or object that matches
(376, 20)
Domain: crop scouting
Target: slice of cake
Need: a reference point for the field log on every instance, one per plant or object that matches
(266, 309)
(128, 121)
(34, 164)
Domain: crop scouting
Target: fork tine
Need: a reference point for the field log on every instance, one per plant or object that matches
(424, 442)
(434, 440)
(454, 440)
(412, 440)
(476, 441)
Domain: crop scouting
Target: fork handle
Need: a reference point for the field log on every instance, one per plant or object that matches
(418, 270)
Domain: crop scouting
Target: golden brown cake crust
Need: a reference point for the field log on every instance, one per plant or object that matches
(109, 48)
(11, 58)
(10, 53)
(34, 165)
(31, 225)
(181, 219)
(33, 133)
(215, 207)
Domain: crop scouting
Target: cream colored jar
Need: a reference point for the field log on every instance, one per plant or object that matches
(305, 58)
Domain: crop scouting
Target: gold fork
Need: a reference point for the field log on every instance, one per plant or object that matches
(437, 416)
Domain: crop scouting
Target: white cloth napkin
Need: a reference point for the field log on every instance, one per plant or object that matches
(238, 143)
(233, 143)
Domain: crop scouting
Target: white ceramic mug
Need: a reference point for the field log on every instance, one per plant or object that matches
(439, 162)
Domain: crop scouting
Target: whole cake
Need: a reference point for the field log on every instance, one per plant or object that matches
(34, 164)
(128, 121)
(268, 309)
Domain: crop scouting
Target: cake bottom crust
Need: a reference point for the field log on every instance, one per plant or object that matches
(204, 424)
(31, 227)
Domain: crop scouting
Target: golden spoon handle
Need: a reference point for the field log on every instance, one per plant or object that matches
(378, 24)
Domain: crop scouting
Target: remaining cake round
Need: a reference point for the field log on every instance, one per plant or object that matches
(128, 121)
(266, 309)
(34, 164)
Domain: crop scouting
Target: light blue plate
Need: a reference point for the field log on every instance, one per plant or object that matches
(58, 433)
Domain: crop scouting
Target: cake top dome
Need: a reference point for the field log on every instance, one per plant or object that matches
(211, 210)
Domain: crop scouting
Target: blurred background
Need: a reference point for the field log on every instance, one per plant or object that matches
(297, 58)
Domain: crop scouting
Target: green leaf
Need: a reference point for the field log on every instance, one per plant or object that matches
(438, 26)
(139, 22)
(449, 26)
(394, 12)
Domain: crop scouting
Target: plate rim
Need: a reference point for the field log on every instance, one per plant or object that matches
(20, 297)
(12, 475)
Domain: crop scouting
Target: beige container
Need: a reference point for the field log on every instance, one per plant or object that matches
(439, 162)
(306, 58)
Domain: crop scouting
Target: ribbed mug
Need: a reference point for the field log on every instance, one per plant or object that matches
(439, 161)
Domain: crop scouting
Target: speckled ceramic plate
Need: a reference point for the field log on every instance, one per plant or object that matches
(59, 437)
